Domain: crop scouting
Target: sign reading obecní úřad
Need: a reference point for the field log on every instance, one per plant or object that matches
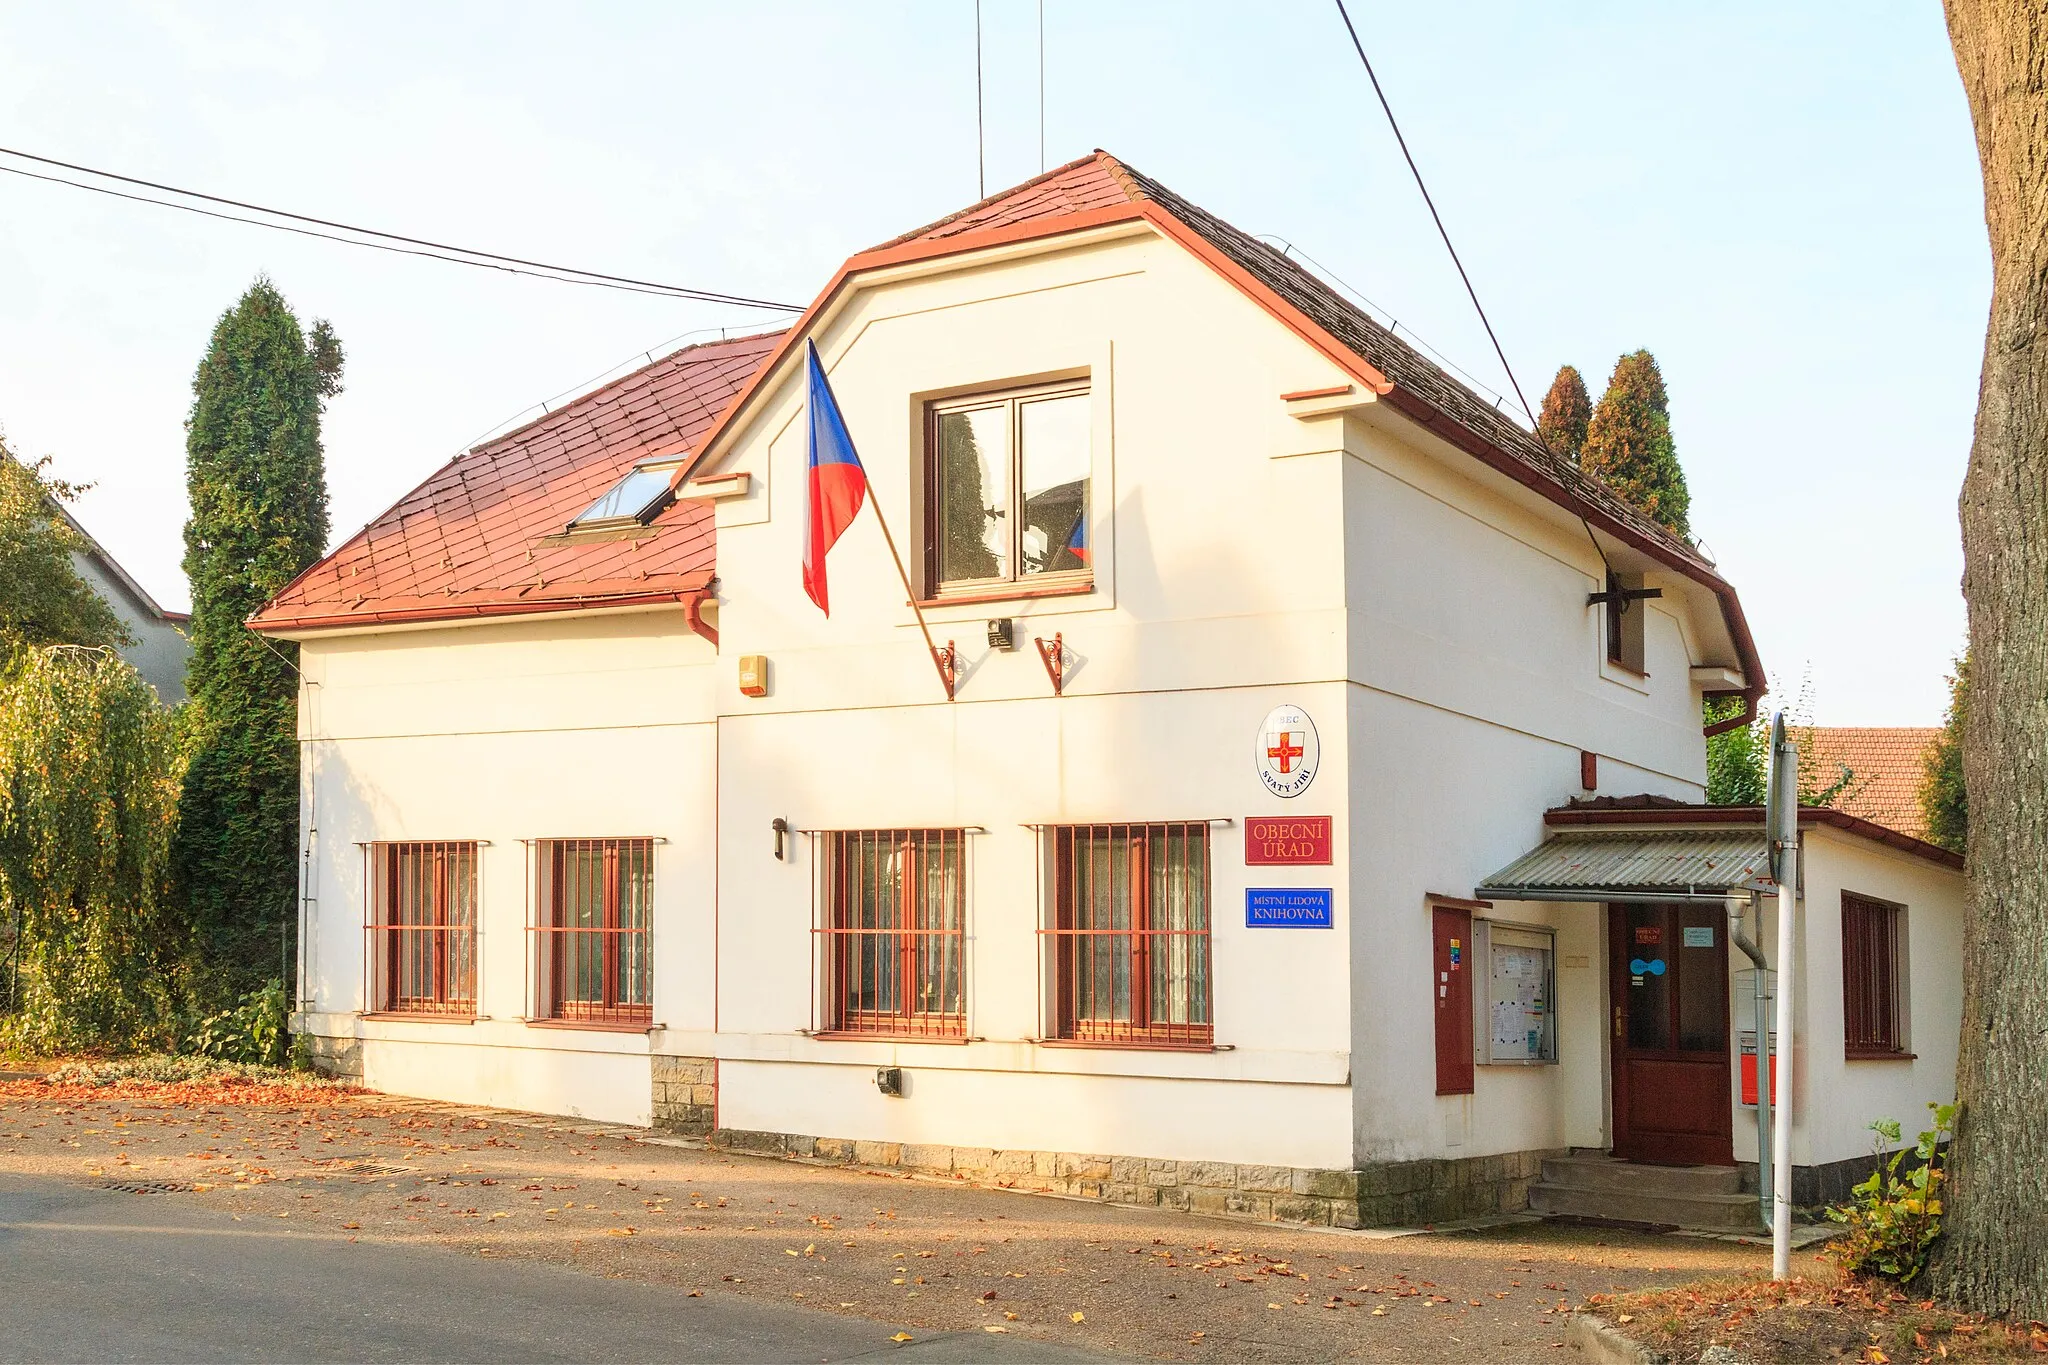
(1286, 840)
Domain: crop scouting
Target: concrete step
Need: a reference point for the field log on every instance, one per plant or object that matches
(1598, 1171)
(1658, 1208)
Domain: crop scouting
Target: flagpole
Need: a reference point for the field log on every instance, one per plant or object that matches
(941, 662)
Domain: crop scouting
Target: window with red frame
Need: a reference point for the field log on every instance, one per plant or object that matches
(596, 905)
(1873, 977)
(894, 931)
(1130, 935)
(421, 941)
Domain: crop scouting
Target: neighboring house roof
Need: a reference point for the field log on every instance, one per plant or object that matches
(1666, 811)
(471, 540)
(1887, 765)
(463, 544)
(113, 569)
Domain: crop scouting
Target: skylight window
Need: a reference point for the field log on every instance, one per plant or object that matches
(633, 500)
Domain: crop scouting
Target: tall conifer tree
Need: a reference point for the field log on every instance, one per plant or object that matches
(258, 485)
(1566, 412)
(1629, 447)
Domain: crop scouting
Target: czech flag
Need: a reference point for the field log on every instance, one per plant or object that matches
(837, 485)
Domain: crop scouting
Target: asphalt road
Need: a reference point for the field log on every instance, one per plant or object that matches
(92, 1274)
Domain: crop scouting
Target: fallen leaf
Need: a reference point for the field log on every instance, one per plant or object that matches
(1076, 1317)
(901, 1336)
(995, 1327)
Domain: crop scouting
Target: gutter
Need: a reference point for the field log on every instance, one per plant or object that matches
(280, 625)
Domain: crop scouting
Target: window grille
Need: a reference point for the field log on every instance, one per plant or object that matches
(1129, 939)
(592, 914)
(420, 933)
(893, 931)
(1873, 977)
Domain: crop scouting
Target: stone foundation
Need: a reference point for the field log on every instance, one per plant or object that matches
(339, 1058)
(686, 1094)
(1396, 1193)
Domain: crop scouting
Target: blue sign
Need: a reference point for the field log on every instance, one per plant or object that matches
(1655, 967)
(1286, 907)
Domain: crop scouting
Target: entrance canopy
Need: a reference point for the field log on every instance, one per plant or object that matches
(1635, 865)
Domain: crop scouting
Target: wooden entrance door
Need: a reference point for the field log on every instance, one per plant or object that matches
(1668, 983)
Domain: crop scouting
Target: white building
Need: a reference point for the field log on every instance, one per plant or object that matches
(1269, 644)
(159, 649)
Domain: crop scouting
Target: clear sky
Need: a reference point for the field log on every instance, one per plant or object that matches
(1781, 201)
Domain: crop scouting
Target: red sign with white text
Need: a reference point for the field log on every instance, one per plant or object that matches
(1283, 840)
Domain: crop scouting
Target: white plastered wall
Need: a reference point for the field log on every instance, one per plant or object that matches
(572, 727)
(1836, 1099)
(1478, 675)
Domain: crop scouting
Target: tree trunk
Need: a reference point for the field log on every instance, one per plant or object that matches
(1994, 1257)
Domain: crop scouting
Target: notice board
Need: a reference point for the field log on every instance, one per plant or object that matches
(1517, 1007)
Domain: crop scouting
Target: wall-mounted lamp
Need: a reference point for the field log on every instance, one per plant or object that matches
(1001, 634)
(781, 827)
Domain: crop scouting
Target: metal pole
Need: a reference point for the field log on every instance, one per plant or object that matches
(1785, 770)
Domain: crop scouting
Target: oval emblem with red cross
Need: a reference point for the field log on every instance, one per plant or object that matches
(1288, 751)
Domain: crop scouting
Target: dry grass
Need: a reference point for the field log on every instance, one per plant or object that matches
(1828, 1316)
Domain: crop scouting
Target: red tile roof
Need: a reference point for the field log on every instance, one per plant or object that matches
(1886, 766)
(534, 480)
(469, 541)
(1095, 181)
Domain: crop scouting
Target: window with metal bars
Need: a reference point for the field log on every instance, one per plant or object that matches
(1130, 934)
(593, 912)
(894, 931)
(1873, 977)
(420, 939)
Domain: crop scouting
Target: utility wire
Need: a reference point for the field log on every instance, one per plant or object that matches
(422, 247)
(1434, 215)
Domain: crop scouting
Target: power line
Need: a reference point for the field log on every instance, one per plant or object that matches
(1434, 215)
(413, 246)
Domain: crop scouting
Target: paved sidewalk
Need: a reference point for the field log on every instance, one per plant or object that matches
(876, 1251)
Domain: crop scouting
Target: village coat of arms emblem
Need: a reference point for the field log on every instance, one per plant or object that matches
(1288, 752)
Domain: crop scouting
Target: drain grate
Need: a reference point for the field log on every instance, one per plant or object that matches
(147, 1186)
(351, 1166)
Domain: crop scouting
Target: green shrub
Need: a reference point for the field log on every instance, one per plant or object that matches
(255, 1031)
(1894, 1218)
(164, 1069)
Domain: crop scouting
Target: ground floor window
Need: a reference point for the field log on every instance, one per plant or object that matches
(421, 948)
(1873, 977)
(894, 931)
(595, 907)
(1130, 934)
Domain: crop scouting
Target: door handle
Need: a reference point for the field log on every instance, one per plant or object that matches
(1617, 1023)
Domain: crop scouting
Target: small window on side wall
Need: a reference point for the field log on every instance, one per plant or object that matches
(1006, 491)
(1624, 624)
(1873, 978)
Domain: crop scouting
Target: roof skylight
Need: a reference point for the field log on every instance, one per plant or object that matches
(632, 500)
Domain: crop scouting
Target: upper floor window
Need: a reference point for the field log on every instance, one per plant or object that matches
(895, 931)
(422, 928)
(1130, 935)
(1873, 977)
(1006, 490)
(596, 905)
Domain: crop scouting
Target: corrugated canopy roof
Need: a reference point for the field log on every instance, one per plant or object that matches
(1591, 865)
